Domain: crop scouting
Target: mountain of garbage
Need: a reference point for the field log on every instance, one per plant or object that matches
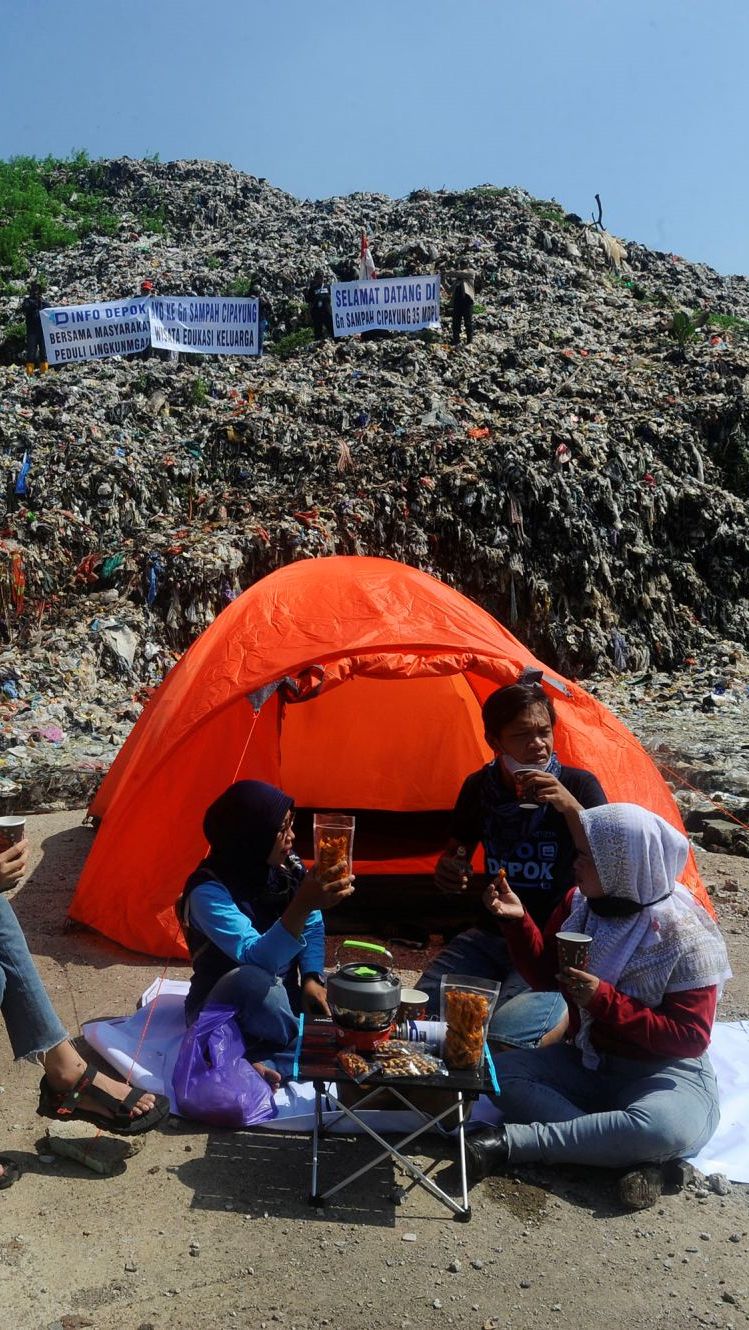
(581, 469)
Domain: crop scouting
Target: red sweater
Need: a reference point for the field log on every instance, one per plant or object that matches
(679, 1028)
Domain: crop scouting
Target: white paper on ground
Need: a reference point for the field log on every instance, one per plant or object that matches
(148, 1060)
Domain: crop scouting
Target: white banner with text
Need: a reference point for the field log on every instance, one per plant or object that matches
(211, 325)
(386, 304)
(91, 332)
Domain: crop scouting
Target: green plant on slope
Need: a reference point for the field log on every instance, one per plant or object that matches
(198, 391)
(293, 342)
(682, 329)
(241, 286)
(730, 323)
(47, 204)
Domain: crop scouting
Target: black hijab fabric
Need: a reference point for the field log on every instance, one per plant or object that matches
(241, 827)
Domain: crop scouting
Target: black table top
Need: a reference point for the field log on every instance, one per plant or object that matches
(317, 1062)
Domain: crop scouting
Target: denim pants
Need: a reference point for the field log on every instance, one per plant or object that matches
(521, 1017)
(263, 1006)
(623, 1112)
(32, 1023)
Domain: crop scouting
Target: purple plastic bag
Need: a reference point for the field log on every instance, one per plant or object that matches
(213, 1081)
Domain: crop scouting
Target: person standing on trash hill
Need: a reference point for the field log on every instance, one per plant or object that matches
(31, 309)
(317, 297)
(464, 295)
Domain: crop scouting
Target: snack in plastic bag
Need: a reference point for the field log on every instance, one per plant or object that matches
(355, 1066)
(404, 1059)
(466, 1015)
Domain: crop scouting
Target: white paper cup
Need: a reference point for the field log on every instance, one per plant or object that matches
(413, 1006)
(12, 830)
(523, 800)
(573, 949)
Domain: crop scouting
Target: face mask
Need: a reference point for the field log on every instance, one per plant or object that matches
(613, 907)
(618, 907)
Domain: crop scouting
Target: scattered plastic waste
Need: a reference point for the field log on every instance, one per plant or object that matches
(568, 470)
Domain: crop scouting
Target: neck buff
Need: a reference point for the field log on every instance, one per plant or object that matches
(553, 766)
(670, 943)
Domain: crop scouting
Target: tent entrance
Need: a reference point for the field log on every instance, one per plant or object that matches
(393, 751)
(396, 744)
(395, 894)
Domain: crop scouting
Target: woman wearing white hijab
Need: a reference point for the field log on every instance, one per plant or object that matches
(633, 1084)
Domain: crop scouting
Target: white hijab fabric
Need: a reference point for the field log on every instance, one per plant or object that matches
(668, 947)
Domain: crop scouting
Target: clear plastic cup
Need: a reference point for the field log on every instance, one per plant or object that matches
(333, 840)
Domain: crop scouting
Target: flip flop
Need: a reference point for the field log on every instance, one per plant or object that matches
(10, 1174)
(123, 1121)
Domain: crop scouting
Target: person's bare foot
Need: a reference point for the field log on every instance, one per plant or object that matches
(268, 1074)
(64, 1067)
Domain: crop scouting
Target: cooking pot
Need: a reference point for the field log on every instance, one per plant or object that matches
(364, 997)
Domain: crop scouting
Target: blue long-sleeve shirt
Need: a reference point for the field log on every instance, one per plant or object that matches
(215, 914)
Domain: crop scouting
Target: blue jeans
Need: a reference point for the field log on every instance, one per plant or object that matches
(521, 1017)
(264, 1014)
(622, 1113)
(32, 1023)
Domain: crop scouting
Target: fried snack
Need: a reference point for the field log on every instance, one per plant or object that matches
(332, 850)
(394, 1048)
(354, 1065)
(465, 1015)
(409, 1062)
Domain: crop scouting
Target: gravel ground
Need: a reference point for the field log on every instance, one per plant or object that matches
(212, 1229)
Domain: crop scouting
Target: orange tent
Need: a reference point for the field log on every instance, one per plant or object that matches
(354, 683)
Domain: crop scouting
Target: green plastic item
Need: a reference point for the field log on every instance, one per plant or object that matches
(367, 946)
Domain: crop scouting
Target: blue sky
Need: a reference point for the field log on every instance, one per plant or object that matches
(643, 101)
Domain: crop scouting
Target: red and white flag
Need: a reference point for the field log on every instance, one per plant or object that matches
(366, 262)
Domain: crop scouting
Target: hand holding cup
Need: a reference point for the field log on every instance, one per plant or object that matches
(323, 888)
(14, 862)
(581, 986)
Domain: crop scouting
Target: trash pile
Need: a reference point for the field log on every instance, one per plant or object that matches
(575, 470)
(695, 724)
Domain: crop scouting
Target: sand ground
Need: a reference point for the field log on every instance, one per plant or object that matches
(212, 1229)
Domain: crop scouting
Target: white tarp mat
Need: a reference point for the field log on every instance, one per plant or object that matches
(118, 1041)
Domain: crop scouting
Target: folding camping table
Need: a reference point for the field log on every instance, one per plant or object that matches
(316, 1062)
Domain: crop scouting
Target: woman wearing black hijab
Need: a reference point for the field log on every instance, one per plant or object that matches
(253, 922)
